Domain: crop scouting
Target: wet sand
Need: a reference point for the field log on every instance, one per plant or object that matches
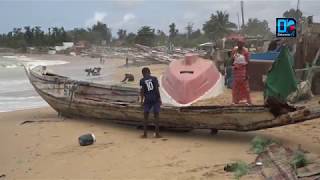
(48, 148)
(112, 72)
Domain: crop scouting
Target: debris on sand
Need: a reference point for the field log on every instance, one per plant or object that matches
(87, 139)
(40, 121)
(239, 168)
(275, 161)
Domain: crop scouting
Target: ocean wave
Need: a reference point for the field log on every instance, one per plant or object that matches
(13, 82)
(10, 57)
(5, 98)
(35, 63)
(10, 66)
(30, 62)
(21, 58)
(12, 103)
(15, 86)
(18, 106)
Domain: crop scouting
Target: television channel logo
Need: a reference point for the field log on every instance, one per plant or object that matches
(286, 27)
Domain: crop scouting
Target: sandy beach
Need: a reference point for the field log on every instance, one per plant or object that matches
(46, 147)
(49, 149)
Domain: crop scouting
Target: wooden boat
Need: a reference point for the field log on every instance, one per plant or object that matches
(191, 79)
(120, 104)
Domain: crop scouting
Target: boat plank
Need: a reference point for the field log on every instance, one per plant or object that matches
(98, 102)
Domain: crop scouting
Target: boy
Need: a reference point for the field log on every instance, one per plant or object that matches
(150, 99)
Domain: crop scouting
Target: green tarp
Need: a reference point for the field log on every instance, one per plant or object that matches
(281, 79)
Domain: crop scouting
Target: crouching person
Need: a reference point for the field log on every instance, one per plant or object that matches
(150, 99)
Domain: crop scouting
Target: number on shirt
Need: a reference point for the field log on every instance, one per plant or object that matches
(149, 84)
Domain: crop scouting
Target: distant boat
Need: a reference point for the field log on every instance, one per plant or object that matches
(191, 79)
(259, 65)
(264, 57)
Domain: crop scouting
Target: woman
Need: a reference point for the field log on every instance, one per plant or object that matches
(228, 70)
(240, 84)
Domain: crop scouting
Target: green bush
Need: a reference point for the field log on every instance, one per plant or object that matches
(239, 169)
(299, 160)
(258, 144)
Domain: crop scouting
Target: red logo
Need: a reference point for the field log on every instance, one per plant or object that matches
(292, 28)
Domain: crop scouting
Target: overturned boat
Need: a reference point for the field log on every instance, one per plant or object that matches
(191, 79)
(72, 98)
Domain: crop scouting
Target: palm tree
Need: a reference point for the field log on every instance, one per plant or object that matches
(218, 25)
(172, 32)
(292, 13)
(122, 34)
(145, 36)
(189, 29)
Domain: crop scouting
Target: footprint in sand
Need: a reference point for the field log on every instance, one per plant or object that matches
(175, 164)
(186, 151)
(214, 171)
(316, 139)
(209, 174)
(208, 171)
(172, 157)
(197, 169)
(72, 149)
(197, 145)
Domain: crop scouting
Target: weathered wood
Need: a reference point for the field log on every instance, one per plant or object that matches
(120, 104)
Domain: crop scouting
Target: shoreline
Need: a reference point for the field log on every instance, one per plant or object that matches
(24, 109)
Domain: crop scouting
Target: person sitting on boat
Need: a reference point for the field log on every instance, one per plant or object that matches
(44, 70)
(240, 83)
(150, 99)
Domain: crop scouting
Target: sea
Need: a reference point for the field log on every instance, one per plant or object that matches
(16, 92)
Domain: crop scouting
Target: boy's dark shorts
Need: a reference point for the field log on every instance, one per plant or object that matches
(149, 107)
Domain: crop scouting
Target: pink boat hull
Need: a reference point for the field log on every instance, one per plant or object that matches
(187, 80)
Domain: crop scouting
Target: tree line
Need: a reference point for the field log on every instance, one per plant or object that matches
(218, 26)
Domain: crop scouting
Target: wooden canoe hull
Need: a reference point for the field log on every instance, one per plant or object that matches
(90, 100)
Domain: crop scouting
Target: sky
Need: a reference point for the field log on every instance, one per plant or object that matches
(132, 14)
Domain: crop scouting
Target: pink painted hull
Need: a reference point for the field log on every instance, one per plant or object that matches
(187, 80)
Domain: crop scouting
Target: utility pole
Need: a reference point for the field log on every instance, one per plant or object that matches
(298, 4)
(241, 3)
(238, 22)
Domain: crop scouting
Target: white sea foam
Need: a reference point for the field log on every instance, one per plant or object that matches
(10, 66)
(21, 58)
(13, 82)
(34, 63)
(17, 87)
(4, 98)
(30, 62)
(18, 106)
(19, 103)
(10, 57)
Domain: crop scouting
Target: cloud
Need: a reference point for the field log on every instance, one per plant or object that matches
(98, 16)
(128, 17)
(127, 20)
(189, 15)
(127, 4)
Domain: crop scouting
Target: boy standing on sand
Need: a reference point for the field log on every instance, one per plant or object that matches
(150, 99)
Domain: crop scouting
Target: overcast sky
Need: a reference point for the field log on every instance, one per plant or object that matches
(132, 14)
